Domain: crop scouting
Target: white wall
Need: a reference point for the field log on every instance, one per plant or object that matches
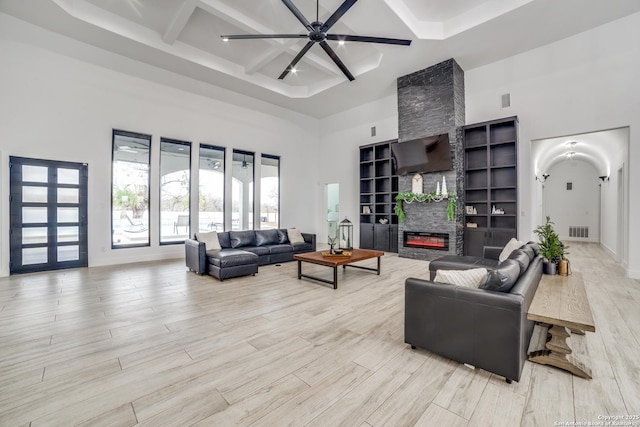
(54, 107)
(583, 83)
(341, 135)
(579, 206)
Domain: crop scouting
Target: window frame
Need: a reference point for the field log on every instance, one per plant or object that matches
(224, 179)
(148, 137)
(279, 159)
(189, 157)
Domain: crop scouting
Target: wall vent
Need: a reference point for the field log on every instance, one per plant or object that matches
(578, 231)
(506, 100)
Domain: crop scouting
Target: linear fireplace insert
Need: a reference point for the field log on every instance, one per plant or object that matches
(426, 240)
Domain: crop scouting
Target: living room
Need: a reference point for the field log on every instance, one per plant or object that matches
(61, 99)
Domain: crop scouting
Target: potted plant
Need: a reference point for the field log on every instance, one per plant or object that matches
(550, 246)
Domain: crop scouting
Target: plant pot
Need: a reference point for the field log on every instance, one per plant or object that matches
(549, 267)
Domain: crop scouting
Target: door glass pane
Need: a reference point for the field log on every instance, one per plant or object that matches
(34, 194)
(31, 215)
(242, 190)
(130, 190)
(68, 195)
(68, 176)
(34, 235)
(68, 234)
(67, 214)
(34, 173)
(211, 191)
(34, 256)
(269, 192)
(175, 178)
(68, 253)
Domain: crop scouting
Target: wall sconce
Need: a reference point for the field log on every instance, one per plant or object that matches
(544, 177)
(604, 178)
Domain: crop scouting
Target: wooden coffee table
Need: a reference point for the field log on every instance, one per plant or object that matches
(335, 261)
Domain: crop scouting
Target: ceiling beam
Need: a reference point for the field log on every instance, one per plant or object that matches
(179, 21)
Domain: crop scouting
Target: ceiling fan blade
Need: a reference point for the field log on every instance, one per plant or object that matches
(337, 60)
(292, 7)
(264, 36)
(295, 60)
(344, 7)
(368, 39)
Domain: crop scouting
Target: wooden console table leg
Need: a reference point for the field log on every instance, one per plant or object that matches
(558, 353)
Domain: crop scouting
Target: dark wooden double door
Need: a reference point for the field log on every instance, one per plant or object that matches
(48, 215)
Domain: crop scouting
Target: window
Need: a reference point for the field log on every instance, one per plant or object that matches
(211, 191)
(269, 192)
(175, 179)
(130, 189)
(242, 190)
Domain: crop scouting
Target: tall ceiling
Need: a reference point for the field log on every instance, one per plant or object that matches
(183, 37)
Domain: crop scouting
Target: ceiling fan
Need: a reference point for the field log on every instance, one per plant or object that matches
(318, 34)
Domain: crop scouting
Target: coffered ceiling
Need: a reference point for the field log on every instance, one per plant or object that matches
(183, 37)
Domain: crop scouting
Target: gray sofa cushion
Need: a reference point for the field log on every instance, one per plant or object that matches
(283, 237)
(267, 237)
(503, 277)
(521, 258)
(231, 257)
(225, 241)
(527, 249)
(258, 250)
(242, 238)
(302, 247)
(535, 247)
(280, 249)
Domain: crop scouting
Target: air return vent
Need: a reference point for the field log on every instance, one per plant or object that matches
(506, 100)
(578, 231)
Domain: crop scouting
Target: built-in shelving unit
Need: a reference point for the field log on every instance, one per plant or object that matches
(378, 189)
(491, 184)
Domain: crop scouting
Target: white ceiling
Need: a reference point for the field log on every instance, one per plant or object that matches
(183, 37)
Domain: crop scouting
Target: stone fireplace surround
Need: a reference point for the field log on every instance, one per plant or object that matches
(431, 102)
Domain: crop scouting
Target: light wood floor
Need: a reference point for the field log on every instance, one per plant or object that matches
(153, 344)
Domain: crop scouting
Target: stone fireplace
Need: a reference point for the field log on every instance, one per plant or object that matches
(431, 102)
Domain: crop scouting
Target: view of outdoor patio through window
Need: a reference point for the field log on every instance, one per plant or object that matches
(175, 184)
(269, 192)
(130, 189)
(242, 190)
(211, 191)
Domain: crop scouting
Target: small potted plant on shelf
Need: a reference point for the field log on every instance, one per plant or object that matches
(551, 247)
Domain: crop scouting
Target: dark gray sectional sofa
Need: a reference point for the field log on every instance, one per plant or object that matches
(243, 251)
(484, 328)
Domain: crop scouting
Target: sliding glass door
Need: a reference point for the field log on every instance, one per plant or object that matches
(48, 209)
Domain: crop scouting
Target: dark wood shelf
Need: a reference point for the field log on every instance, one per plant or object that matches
(379, 184)
(490, 154)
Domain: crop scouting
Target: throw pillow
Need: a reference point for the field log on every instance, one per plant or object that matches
(294, 235)
(503, 277)
(210, 240)
(511, 246)
(472, 278)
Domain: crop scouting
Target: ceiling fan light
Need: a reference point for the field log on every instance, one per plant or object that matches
(341, 42)
(225, 39)
(294, 70)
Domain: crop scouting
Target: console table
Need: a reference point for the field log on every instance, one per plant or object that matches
(560, 306)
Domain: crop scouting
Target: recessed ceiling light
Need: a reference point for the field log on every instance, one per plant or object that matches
(293, 70)
(225, 39)
(341, 42)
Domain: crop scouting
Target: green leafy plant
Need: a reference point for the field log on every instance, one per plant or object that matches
(551, 247)
(423, 198)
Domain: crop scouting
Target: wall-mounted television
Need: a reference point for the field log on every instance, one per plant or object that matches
(430, 154)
